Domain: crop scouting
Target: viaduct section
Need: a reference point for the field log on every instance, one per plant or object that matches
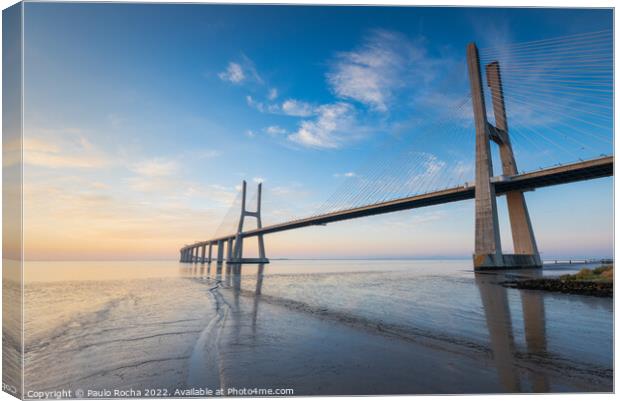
(488, 248)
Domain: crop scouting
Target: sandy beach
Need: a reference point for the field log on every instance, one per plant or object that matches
(191, 328)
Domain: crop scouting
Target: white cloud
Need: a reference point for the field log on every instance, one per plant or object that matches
(241, 71)
(62, 149)
(260, 106)
(250, 134)
(348, 174)
(275, 130)
(273, 94)
(297, 108)
(290, 107)
(233, 73)
(258, 180)
(431, 167)
(385, 63)
(333, 124)
(255, 104)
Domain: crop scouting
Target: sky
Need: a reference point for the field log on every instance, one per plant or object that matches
(142, 120)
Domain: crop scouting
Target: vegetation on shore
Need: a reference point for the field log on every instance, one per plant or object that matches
(597, 282)
(603, 273)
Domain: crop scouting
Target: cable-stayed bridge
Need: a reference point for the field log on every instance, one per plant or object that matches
(557, 91)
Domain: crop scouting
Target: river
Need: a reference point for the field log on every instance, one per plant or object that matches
(313, 327)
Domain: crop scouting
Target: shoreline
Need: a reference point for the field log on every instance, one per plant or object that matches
(588, 288)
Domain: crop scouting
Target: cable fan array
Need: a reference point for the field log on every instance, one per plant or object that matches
(558, 95)
(230, 221)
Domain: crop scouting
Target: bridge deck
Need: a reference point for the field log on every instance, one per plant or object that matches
(579, 171)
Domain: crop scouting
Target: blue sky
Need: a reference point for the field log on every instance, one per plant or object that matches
(141, 121)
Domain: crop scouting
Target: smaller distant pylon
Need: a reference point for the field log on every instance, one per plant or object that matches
(237, 249)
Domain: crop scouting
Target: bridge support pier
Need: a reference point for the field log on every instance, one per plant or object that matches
(488, 249)
(203, 249)
(229, 249)
(237, 253)
(220, 251)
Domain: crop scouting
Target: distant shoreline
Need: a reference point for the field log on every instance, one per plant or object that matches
(593, 288)
(597, 282)
(548, 262)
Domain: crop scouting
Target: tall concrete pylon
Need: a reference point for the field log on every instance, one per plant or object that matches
(237, 253)
(488, 249)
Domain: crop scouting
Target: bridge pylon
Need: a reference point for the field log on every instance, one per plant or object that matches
(236, 256)
(488, 249)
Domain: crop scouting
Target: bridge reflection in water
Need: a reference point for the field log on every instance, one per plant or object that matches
(494, 299)
(518, 368)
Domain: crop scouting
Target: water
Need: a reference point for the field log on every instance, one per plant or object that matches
(317, 327)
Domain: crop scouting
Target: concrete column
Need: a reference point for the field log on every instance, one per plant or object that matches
(520, 223)
(238, 250)
(220, 251)
(202, 253)
(259, 222)
(243, 195)
(488, 249)
(229, 249)
(210, 251)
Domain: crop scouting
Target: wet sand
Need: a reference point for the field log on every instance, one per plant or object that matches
(280, 343)
(348, 329)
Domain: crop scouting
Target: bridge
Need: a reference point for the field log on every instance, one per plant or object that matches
(485, 189)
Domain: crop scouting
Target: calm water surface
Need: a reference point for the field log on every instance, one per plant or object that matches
(318, 327)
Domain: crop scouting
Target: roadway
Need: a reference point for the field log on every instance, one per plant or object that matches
(556, 175)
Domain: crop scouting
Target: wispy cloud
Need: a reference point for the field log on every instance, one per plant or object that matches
(383, 64)
(240, 71)
(58, 150)
(275, 130)
(156, 167)
(297, 108)
(262, 106)
(233, 73)
(348, 174)
(334, 124)
(154, 175)
(386, 66)
(289, 107)
(273, 94)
